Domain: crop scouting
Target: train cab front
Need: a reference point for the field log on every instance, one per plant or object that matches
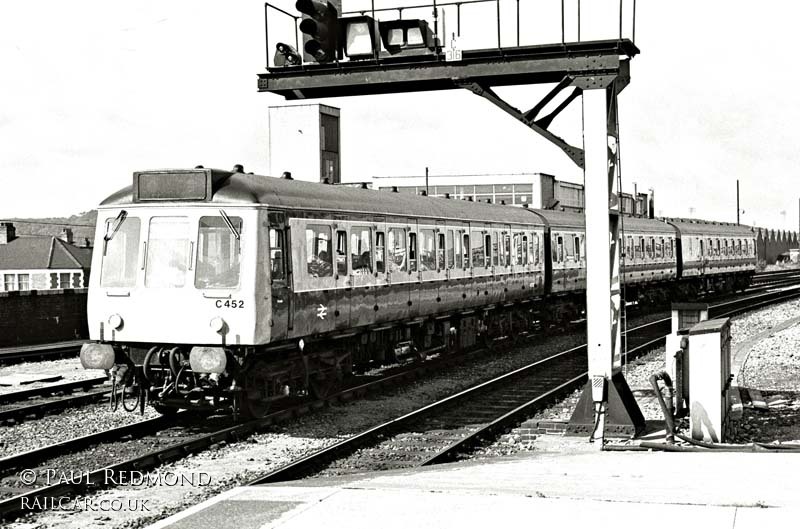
(172, 300)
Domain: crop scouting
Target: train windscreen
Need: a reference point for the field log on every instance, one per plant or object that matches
(218, 252)
(120, 254)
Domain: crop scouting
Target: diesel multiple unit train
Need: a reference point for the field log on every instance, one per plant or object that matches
(215, 288)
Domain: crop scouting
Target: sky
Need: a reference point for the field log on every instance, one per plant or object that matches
(93, 90)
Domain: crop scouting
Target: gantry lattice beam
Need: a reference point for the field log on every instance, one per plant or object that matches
(496, 67)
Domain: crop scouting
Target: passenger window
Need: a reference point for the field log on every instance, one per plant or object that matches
(507, 248)
(457, 250)
(478, 255)
(576, 241)
(427, 251)
(526, 258)
(397, 250)
(412, 252)
(487, 240)
(660, 248)
(560, 249)
(440, 251)
(360, 250)
(495, 250)
(536, 248)
(451, 258)
(380, 252)
(318, 251)
(466, 249)
(341, 252)
(276, 254)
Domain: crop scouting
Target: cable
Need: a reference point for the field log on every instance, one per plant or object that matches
(622, 251)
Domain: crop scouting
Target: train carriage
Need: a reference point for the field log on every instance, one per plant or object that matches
(275, 287)
(715, 256)
(223, 289)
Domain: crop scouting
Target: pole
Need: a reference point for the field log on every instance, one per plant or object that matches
(737, 202)
(598, 269)
(603, 293)
(427, 191)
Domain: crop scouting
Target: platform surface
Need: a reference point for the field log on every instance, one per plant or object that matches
(563, 481)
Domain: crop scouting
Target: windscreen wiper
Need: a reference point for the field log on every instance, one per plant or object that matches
(113, 227)
(229, 223)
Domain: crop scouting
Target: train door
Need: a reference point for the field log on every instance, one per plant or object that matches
(342, 273)
(414, 285)
(280, 276)
(427, 235)
(362, 273)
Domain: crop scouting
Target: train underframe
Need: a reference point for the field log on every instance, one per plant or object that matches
(255, 378)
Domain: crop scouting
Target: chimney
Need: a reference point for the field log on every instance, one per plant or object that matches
(87, 242)
(7, 232)
(66, 235)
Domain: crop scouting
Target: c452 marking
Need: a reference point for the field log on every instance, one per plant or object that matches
(230, 304)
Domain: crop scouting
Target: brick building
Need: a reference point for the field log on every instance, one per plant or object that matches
(41, 262)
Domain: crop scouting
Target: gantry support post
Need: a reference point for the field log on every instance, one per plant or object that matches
(607, 403)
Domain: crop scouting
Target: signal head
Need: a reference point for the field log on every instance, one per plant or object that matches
(320, 29)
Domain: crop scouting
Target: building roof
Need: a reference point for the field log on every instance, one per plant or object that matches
(42, 252)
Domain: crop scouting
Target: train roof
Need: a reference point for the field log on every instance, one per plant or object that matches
(238, 188)
(563, 219)
(707, 228)
(640, 225)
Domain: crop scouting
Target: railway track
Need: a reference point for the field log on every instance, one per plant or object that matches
(60, 388)
(17, 406)
(776, 278)
(440, 432)
(451, 427)
(48, 351)
(162, 440)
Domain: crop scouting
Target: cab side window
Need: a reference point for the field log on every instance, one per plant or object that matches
(276, 254)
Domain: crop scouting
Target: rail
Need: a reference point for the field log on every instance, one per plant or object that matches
(479, 24)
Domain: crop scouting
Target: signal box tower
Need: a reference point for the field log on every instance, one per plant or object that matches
(384, 51)
(304, 140)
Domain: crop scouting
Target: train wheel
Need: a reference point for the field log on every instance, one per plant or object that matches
(254, 401)
(255, 408)
(323, 384)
